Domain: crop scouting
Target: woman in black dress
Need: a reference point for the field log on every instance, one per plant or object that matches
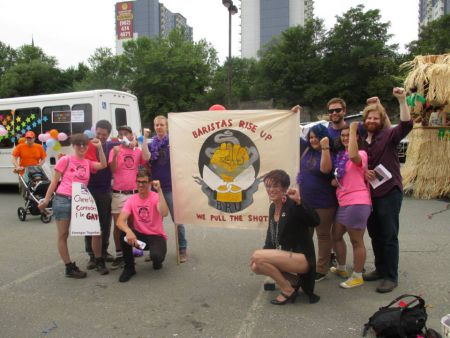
(288, 255)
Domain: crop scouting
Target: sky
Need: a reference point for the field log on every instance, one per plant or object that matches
(71, 30)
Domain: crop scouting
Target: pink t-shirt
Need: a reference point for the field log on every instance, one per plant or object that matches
(128, 161)
(77, 170)
(146, 218)
(354, 189)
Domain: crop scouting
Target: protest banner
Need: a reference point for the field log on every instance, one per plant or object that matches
(218, 160)
(84, 218)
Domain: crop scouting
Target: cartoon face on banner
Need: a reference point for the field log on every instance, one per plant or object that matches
(229, 164)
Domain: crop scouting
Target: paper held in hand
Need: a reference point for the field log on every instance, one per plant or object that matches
(84, 220)
(382, 175)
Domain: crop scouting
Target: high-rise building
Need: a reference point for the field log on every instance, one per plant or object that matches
(430, 10)
(146, 18)
(261, 20)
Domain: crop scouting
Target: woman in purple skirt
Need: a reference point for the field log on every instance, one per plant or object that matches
(355, 205)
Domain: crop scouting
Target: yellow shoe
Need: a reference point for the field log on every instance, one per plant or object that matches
(352, 282)
(340, 273)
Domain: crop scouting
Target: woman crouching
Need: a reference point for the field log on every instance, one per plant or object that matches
(288, 256)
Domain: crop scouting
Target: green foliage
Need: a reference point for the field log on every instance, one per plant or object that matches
(358, 61)
(433, 39)
(168, 74)
(292, 67)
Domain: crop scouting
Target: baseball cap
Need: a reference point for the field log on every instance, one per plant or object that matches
(30, 134)
(127, 128)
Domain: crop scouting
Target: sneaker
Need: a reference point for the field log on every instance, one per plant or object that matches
(127, 274)
(117, 263)
(340, 273)
(183, 256)
(352, 282)
(101, 267)
(333, 260)
(72, 271)
(372, 276)
(91, 264)
(320, 276)
(386, 286)
(109, 258)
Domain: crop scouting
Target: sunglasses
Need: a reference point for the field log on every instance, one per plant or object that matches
(142, 182)
(335, 110)
(81, 144)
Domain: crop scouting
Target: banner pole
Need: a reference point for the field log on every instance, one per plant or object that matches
(177, 244)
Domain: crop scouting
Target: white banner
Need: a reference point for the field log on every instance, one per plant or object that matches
(218, 159)
(84, 220)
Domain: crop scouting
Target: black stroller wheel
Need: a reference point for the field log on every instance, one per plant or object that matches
(46, 218)
(22, 213)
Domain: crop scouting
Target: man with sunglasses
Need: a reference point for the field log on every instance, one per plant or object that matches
(147, 209)
(336, 111)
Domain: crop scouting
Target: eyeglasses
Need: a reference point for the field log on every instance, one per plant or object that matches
(28, 138)
(335, 110)
(142, 182)
(80, 144)
(274, 186)
(345, 135)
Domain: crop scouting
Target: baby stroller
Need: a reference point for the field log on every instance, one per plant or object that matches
(35, 183)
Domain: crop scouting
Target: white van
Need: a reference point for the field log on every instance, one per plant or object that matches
(69, 113)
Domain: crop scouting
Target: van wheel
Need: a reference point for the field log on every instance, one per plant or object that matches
(46, 218)
(22, 213)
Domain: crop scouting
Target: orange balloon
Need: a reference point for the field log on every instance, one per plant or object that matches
(21, 140)
(54, 134)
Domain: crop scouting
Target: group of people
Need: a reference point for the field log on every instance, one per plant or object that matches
(120, 176)
(335, 197)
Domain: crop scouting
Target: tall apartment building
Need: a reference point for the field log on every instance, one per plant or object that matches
(430, 10)
(261, 20)
(146, 18)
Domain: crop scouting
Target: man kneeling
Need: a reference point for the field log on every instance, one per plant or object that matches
(147, 210)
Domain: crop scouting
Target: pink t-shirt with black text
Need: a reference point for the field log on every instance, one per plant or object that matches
(78, 170)
(147, 220)
(354, 189)
(128, 161)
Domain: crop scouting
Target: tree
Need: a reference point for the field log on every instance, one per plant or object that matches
(168, 74)
(7, 57)
(32, 73)
(244, 73)
(358, 61)
(433, 39)
(291, 66)
(105, 72)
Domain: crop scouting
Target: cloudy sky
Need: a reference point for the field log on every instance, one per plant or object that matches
(71, 30)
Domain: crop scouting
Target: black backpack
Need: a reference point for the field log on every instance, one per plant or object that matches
(405, 320)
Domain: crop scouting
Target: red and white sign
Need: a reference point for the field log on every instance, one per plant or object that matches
(124, 20)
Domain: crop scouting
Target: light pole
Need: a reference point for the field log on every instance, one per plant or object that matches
(232, 9)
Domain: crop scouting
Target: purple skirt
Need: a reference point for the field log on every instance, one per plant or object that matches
(354, 216)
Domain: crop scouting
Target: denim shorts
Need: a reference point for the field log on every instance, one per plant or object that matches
(62, 207)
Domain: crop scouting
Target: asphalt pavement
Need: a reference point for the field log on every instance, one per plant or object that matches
(214, 294)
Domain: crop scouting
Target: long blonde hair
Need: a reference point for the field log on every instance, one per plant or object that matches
(378, 107)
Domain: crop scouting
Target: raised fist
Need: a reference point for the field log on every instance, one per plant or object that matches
(230, 156)
(325, 142)
(399, 93)
(146, 132)
(156, 185)
(116, 150)
(96, 142)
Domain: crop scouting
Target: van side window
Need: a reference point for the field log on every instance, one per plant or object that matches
(81, 112)
(57, 117)
(121, 117)
(7, 121)
(30, 119)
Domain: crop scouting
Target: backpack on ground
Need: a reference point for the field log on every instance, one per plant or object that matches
(406, 319)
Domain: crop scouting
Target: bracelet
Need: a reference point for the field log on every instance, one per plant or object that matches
(326, 148)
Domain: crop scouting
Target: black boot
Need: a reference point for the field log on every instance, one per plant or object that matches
(100, 266)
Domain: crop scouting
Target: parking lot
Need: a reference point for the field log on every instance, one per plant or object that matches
(214, 294)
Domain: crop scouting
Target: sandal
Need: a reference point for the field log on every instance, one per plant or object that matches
(291, 298)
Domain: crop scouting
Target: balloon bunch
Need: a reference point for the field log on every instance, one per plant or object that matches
(51, 139)
(90, 133)
(3, 131)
